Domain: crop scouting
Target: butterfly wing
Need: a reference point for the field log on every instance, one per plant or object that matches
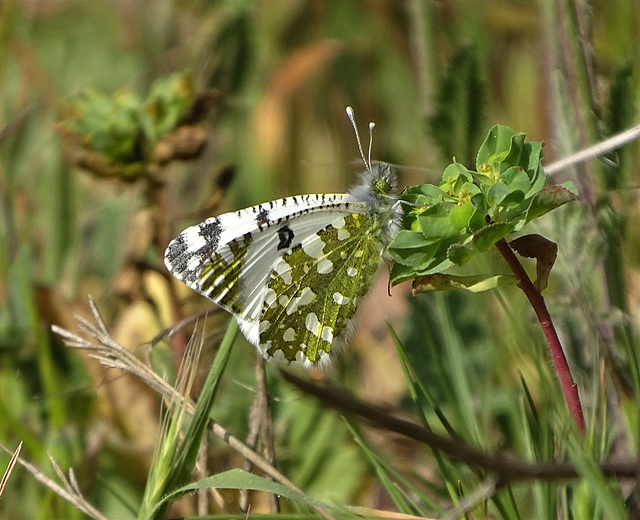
(315, 288)
(292, 271)
(229, 259)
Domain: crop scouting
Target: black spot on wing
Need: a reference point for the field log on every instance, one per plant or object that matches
(210, 230)
(175, 257)
(262, 218)
(286, 235)
(180, 253)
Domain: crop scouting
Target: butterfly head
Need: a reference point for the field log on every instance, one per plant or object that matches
(377, 186)
(384, 180)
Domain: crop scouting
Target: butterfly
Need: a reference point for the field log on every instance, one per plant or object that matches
(294, 271)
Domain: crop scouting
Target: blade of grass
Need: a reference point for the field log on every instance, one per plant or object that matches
(416, 389)
(402, 499)
(10, 467)
(181, 470)
(239, 479)
(606, 495)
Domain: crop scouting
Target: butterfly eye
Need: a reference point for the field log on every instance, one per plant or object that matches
(382, 187)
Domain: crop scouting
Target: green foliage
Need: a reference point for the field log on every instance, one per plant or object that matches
(458, 123)
(469, 211)
(238, 479)
(475, 365)
(107, 125)
(618, 118)
(125, 128)
(313, 462)
(177, 454)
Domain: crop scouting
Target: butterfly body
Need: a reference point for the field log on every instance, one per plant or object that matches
(293, 271)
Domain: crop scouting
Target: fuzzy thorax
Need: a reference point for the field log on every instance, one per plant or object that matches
(377, 189)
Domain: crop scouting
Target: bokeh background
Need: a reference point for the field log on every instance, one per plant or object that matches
(434, 76)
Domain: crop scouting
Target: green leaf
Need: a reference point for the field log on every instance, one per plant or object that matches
(497, 193)
(479, 200)
(475, 284)
(517, 179)
(423, 194)
(435, 223)
(109, 126)
(454, 178)
(409, 240)
(531, 160)
(513, 200)
(489, 235)
(239, 479)
(412, 248)
(460, 216)
(477, 221)
(401, 273)
(502, 144)
(460, 254)
(516, 147)
(169, 98)
(551, 197)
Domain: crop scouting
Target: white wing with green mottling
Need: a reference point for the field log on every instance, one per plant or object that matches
(292, 271)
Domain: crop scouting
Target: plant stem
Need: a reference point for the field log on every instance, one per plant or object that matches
(536, 299)
(509, 469)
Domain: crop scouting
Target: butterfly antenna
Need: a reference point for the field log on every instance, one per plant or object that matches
(352, 118)
(372, 125)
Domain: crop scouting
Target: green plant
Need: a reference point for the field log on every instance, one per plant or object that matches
(468, 213)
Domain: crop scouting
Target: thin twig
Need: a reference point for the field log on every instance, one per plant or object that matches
(112, 354)
(266, 427)
(70, 492)
(260, 430)
(10, 466)
(608, 145)
(176, 328)
(508, 469)
(251, 440)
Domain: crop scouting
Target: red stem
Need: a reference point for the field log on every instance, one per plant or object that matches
(569, 386)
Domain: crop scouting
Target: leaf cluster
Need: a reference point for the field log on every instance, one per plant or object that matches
(125, 128)
(469, 211)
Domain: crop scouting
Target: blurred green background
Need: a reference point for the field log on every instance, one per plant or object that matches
(434, 76)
